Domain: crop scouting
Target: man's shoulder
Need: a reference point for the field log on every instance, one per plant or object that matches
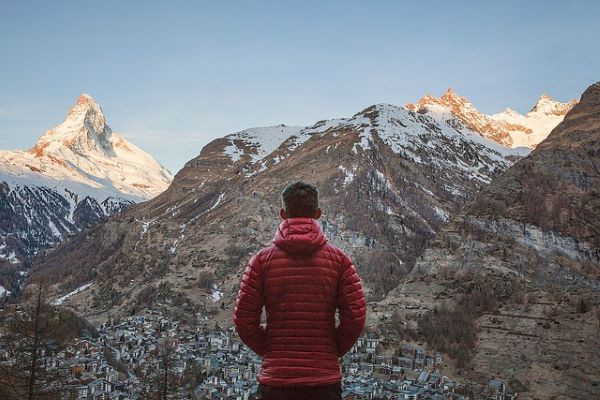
(336, 252)
(264, 253)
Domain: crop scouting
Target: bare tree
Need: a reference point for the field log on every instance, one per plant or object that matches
(163, 381)
(597, 314)
(29, 369)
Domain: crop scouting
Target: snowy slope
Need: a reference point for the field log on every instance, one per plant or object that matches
(258, 142)
(538, 123)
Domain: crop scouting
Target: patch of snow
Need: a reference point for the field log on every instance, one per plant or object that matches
(10, 257)
(182, 229)
(145, 226)
(4, 292)
(383, 179)
(61, 300)
(216, 293)
(453, 190)
(234, 152)
(424, 189)
(261, 141)
(54, 229)
(349, 175)
(365, 141)
(219, 199)
(441, 213)
(389, 211)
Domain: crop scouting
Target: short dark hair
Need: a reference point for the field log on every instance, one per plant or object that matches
(300, 199)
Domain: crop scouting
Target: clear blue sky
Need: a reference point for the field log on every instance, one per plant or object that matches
(172, 75)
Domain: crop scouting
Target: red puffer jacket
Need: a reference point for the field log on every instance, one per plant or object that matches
(301, 280)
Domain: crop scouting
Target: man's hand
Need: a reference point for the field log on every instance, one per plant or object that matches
(352, 310)
(248, 308)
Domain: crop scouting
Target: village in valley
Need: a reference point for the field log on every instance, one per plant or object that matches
(142, 356)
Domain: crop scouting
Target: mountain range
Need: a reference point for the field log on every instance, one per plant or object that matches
(476, 234)
(390, 178)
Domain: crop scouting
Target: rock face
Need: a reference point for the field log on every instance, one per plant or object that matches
(535, 228)
(389, 179)
(77, 173)
(508, 128)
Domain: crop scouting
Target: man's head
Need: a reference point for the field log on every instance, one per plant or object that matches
(300, 199)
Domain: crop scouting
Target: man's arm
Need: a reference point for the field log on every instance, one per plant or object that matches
(352, 309)
(248, 308)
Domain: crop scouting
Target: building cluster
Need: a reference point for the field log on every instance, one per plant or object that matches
(143, 356)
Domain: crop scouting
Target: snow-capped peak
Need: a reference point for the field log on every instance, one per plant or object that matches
(548, 106)
(83, 155)
(84, 130)
(453, 106)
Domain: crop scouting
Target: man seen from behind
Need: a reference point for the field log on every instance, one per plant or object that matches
(301, 280)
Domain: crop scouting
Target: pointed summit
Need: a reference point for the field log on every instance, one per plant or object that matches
(83, 155)
(543, 102)
(85, 98)
(450, 100)
(548, 106)
(453, 100)
(451, 105)
(85, 106)
(450, 94)
(84, 130)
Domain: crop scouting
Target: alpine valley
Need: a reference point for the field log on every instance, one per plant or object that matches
(467, 229)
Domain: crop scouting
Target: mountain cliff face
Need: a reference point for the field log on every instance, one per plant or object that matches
(389, 179)
(508, 128)
(77, 173)
(530, 244)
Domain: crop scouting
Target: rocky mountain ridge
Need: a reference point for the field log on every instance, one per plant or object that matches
(509, 128)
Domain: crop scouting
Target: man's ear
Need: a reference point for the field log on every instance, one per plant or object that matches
(282, 213)
(318, 213)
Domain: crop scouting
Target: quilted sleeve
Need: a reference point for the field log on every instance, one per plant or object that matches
(248, 308)
(352, 309)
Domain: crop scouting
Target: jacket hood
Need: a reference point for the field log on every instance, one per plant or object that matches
(299, 235)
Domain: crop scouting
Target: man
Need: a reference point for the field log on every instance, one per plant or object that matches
(301, 280)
